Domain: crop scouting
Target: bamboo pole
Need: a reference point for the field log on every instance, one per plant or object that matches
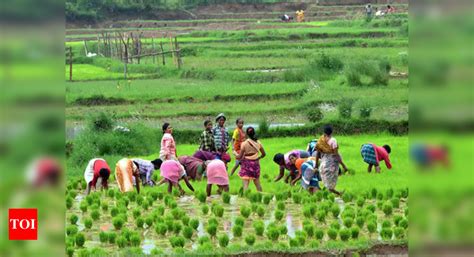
(178, 52)
(162, 53)
(70, 63)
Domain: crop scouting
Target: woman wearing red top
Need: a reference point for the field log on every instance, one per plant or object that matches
(96, 168)
(373, 154)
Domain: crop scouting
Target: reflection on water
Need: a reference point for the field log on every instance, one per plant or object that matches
(147, 246)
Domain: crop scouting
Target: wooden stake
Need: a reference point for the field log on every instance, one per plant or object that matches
(154, 50)
(162, 53)
(178, 52)
(172, 51)
(70, 63)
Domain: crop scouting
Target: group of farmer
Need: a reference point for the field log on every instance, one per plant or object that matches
(319, 162)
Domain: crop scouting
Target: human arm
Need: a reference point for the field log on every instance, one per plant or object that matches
(281, 174)
(137, 181)
(298, 177)
(387, 162)
(263, 153)
(186, 180)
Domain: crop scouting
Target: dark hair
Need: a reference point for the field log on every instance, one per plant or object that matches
(165, 126)
(206, 122)
(292, 154)
(157, 163)
(279, 158)
(388, 6)
(387, 148)
(104, 173)
(328, 130)
(251, 133)
(238, 119)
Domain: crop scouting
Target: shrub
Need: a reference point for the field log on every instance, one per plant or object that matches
(365, 111)
(226, 197)
(80, 239)
(387, 208)
(328, 63)
(239, 221)
(237, 231)
(273, 233)
(319, 233)
(121, 241)
(378, 72)
(261, 211)
(263, 127)
(194, 223)
(348, 222)
(259, 227)
(139, 222)
(355, 232)
(103, 237)
(279, 215)
(250, 240)
(371, 227)
(223, 240)
(161, 229)
(399, 233)
(345, 109)
(188, 232)
(88, 223)
(344, 234)
(245, 211)
(332, 233)
(386, 233)
(95, 214)
(177, 241)
(111, 237)
(117, 222)
(205, 209)
(212, 230)
(314, 114)
(73, 219)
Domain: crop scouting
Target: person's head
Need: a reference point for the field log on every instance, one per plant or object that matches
(388, 6)
(208, 125)
(167, 128)
(328, 130)
(387, 148)
(279, 159)
(220, 119)
(369, 5)
(157, 163)
(104, 173)
(251, 133)
(293, 158)
(240, 123)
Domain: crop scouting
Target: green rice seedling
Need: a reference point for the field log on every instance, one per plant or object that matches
(245, 211)
(386, 233)
(389, 193)
(105, 206)
(145, 206)
(293, 242)
(250, 240)
(89, 199)
(348, 222)
(212, 229)
(114, 211)
(185, 220)
(149, 221)
(332, 233)
(344, 234)
(194, 223)
(177, 241)
(71, 230)
(94, 206)
(371, 227)
(283, 230)
(223, 240)
(205, 209)
(347, 197)
(203, 240)
(267, 199)
(309, 229)
(136, 213)
(117, 222)
(307, 212)
(281, 206)
(395, 202)
(360, 222)
(406, 212)
(218, 211)
(139, 222)
(279, 215)
(121, 241)
(380, 196)
(319, 233)
(239, 221)
(69, 202)
(213, 221)
(135, 239)
(161, 229)
(103, 237)
(83, 206)
(387, 208)
(95, 214)
(273, 233)
(73, 219)
(296, 198)
(80, 239)
(399, 233)
(371, 208)
(301, 237)
(154, 195)
(335, 225)
(255, 197)
(254, 207)
(160, 210)
(226, 198)
(259, 227)
(70, 251)
(403, 223)
(111, 237)
(321, 216)
(360, 201)
(355, 232)
(88, 223)
(177, 227)
(237, 231)
(335, 210)
(111, 193)
(261, 211)
(397, 219)
(188, 232)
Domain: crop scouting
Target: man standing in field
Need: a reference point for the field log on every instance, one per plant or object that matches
(221, 138)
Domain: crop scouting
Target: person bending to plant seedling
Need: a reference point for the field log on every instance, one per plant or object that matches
(172, 172)
(195, 168)
(373, 154)
(97, 169)
(146, 169)
(250, 161)
(127, 174)
(284, 162)
(328, 153)
(217, 175)
(308, 173)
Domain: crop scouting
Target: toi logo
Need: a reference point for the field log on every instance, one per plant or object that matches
(23, 224)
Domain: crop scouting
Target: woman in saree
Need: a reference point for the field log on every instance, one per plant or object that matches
(328, 154)
(250, 160)
(195, 168)
(127, 175)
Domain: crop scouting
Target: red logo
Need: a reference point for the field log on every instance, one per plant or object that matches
(23, 224)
